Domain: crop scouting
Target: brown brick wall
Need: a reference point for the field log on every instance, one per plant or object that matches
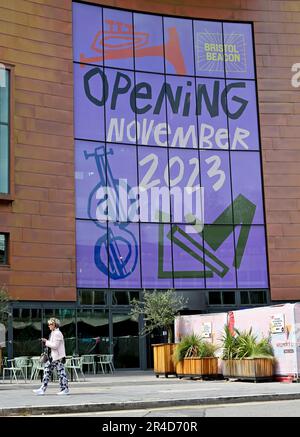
(36, 36)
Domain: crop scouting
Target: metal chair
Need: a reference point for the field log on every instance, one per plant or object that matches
(89, 360)
(25, 363)
(36, 367)
(74, 364)
(13, 367)
(106, 361)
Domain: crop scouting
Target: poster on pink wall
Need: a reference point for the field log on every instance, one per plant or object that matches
(281, 323)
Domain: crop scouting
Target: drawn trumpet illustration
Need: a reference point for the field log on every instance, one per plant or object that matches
(117, 43)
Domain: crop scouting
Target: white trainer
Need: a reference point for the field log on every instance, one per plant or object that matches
(39, 391)
(64, 392)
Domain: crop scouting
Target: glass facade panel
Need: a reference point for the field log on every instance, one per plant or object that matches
(179, 53)
(118, 38)
(125, 341)
(212, 114)
(251, 257)
(244, 297)
(156, 251)
(214, 298)
(90, 84)
(184, 169)
(188, 257)
(229, 298)
(242, 115)
(258, 297)
(219, 257)
(149, 44)
(124, 179)
(90, 176)
(86, 330)
(27, 331)
(87, 34)
(124, 256)
(91, 243)
(215, 178)
(151, 109)
(93, 331)
(238, 40)
(181, 114)
(246, 188)
(124, 297)
(208, 42)
(119, 109)
(154, 185)
(92, 297)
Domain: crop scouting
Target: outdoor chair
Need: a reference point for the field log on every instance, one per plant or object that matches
(74, 365)
(106, 362)
(36, 367)
(13, 367)
(89, 360)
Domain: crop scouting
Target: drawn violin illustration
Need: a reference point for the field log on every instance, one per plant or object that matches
(119, 244)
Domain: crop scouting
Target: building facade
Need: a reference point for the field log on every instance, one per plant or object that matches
(145, 145)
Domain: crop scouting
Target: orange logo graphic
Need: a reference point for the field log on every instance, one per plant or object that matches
(118, 42)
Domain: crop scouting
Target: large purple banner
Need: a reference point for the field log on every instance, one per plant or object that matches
(167, 153)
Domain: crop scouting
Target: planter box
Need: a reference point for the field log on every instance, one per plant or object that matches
(163, 360)
(193, 367)
(249, 369)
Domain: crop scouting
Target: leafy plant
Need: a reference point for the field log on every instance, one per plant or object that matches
(158, 310)
(229, 344)
(244, 344)
(193, 346)
(4, 300)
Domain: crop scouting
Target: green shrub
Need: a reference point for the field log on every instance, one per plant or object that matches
(244, 344)
(193, 346)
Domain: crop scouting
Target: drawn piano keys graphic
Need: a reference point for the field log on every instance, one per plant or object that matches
(197, 251)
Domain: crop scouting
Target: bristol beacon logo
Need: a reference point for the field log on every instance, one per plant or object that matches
(212, 51)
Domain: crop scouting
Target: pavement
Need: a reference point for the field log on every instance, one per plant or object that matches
(136, 389)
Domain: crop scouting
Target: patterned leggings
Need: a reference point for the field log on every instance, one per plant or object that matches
(48, 369)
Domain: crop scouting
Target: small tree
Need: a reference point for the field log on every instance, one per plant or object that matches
(4, 299)
(158, 309)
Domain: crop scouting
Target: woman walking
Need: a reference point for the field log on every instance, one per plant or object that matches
(56, 361)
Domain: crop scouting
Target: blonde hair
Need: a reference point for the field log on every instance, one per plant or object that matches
(54, 321)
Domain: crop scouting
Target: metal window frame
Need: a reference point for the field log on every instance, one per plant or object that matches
(7, 197)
